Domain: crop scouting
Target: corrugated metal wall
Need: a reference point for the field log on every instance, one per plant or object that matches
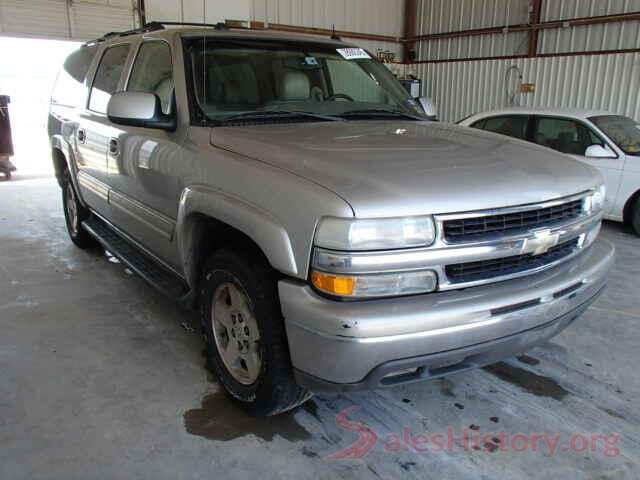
(610, 82)
(60, 19)
(441, 16)
(462, 88)
(611, 36)
(379, 17)
(566, 9)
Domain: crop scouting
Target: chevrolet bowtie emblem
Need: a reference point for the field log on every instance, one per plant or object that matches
(541, 242)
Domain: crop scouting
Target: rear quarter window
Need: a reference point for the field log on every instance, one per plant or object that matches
(69, 89)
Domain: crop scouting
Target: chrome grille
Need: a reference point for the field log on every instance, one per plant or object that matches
(492, 226)
(498, 267)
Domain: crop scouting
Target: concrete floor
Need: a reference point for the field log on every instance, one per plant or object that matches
(101, 377)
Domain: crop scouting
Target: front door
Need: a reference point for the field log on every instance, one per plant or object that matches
(144, 166)
(573, 138)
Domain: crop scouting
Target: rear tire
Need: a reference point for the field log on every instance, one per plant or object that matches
(74, 214)
(238, 292)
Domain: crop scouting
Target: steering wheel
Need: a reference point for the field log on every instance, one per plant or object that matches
(340, 95)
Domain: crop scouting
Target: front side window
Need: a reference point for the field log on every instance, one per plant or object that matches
(69, 87)
(511, 125)
(248, 76)
(623, 131)
(107, 77)
(153, 73)
(563, 135)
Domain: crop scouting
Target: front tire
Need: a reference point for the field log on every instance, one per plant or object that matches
(635, 217)
(74, 214)
(244, 332)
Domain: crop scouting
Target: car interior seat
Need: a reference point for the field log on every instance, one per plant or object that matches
(239, 83)
(295, 86)
(164, 90)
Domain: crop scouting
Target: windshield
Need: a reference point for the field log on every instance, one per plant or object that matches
(235, 78)
(623, 131)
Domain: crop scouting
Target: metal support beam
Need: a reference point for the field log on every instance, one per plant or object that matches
(540, 55)
(575, 22)
(141, 13)
(410, 30)
(534, 19)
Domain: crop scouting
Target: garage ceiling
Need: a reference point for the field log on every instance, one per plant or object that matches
(66, 19)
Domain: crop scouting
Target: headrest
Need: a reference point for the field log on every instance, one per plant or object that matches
(295, 86)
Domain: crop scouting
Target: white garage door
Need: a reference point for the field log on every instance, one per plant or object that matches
(66, 19)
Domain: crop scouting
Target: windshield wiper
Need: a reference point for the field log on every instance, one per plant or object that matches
(268, 114)
(381, 112)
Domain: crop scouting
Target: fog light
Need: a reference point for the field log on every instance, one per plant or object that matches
(383, 285)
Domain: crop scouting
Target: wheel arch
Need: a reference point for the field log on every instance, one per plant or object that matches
(209, 219)
(628, 206)
(59, 163)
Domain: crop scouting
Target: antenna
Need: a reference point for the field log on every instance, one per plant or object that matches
(333, 33)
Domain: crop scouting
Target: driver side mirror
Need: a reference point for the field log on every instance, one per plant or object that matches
(429, 107)
(139, 109)
(598, 151)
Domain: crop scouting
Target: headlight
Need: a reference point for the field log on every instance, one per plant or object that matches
(336, 272)
(375, 234)
(595, 202)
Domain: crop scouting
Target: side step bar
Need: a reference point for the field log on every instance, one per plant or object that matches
(159, 277)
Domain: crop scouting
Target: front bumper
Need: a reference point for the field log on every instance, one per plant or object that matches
(340, 346)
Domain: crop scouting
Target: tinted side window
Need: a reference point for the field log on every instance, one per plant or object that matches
(153, 73)
(512, 126)
(69, 88)
(107, 77)
(566, 136)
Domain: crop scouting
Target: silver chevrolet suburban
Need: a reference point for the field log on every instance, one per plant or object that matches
(332, 238)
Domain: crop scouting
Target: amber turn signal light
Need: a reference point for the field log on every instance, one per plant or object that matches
(332, 284)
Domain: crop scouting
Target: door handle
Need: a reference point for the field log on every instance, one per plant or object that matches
(114, 147)
(82, 135)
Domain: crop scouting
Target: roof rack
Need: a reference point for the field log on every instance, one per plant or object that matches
(217, 26)
(155, 26)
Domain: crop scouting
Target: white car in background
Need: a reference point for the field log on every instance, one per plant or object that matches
(607, 141)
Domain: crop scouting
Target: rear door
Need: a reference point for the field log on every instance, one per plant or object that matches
(95, 131)
(573, 137)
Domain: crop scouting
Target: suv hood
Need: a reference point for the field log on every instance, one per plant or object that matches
(395, 168)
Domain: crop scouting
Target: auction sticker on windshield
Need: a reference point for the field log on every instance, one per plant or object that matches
(353, 53)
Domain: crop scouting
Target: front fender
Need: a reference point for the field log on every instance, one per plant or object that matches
(258, 224)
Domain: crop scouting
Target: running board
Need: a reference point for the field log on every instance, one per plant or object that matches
(156, 275)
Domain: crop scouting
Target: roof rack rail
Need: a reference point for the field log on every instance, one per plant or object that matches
(147, 27)
(217, 26)
(157, 25)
